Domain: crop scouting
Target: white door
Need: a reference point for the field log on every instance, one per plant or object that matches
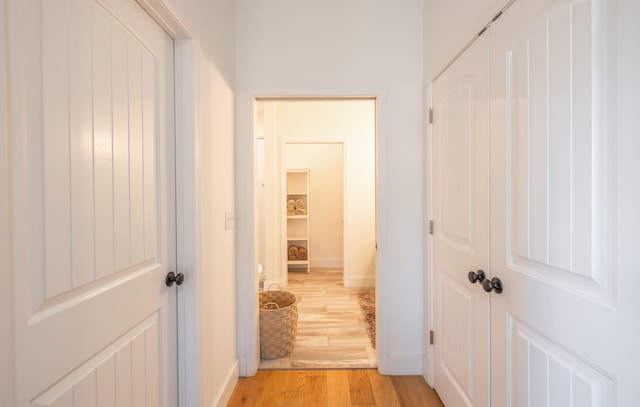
(565, 329)
(461, 235)
(92, 204)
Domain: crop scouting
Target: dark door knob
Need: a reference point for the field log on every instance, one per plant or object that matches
(477, 276)
(174, 278)
(492, 285)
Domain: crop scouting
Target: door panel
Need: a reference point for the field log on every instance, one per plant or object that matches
(556, 163)
(117, 375)
(460, 151)
(553, 225)
(543, 371)
(93, 211)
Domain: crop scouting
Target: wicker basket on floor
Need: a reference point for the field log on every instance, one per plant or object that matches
(278, 323)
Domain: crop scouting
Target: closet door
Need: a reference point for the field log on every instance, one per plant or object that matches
(563, 330)
(461, 241)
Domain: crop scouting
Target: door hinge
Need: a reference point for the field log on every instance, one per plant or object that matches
(430, 115)
(430, 227)
(431, 337)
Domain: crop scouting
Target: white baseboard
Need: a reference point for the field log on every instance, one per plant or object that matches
(326, 263)
(230, 385)
(359, 282)
(401, 364)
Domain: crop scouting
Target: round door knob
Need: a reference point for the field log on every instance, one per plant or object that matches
(492, 285)
(476, 276)
(174, 278)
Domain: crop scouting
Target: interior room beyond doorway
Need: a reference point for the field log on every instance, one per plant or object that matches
(334, 142)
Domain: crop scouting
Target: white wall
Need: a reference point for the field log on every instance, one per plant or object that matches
(325, 204)
(333, 47)
(210, 266)
(325, 199)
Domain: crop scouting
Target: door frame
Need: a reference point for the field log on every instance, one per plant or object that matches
(6, 299)
(428, 351)
(186, 150)
(246, 119)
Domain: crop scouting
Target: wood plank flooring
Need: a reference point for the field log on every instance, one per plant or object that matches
(331, 328)
(330, 388)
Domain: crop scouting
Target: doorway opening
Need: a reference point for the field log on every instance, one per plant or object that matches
(315, 198)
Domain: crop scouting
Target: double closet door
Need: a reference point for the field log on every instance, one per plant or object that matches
(530, 306)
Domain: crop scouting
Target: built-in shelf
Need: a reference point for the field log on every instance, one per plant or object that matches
(296, 209)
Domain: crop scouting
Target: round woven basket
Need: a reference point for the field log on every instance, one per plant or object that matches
(278, 323)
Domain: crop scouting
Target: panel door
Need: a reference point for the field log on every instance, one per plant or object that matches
(461, 216)
(565, 329)
(92, 204)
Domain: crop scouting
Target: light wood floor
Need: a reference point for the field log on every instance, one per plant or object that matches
(332, 388)
(331, 328)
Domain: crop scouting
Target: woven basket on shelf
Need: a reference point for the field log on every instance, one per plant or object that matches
(278, 323)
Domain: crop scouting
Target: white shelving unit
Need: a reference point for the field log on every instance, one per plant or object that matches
(296, 208)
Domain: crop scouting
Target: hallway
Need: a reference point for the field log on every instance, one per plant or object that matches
(331, 329)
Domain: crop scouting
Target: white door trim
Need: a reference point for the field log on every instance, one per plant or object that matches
(187, 181)
(6, 300)
(186, 50)
(246, 261)
(428, 351)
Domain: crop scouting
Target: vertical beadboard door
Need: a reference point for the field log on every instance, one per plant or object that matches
(92, 204)
(461, 228)
(565, 329)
